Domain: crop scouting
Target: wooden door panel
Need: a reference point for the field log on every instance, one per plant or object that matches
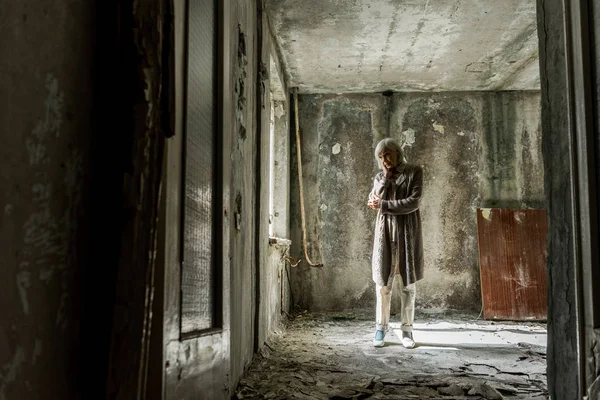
(195, 359)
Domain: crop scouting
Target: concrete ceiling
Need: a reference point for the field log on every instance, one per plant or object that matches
(334, 46)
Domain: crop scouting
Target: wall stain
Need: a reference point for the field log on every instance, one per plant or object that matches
(238, 211)
(240, 83)
(450, 136)
(448, 200)
(52, 198)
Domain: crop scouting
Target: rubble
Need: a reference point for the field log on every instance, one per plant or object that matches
(330, 356)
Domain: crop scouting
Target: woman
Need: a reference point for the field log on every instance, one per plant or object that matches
(398, 244)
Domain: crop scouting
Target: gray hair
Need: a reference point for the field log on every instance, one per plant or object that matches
(390, 144)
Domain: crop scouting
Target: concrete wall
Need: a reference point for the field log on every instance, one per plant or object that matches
(477, 150)
(46, 131)
(275, 287)
(274, 296)
(280, 170)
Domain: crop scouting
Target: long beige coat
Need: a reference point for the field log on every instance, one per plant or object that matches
(398, 244)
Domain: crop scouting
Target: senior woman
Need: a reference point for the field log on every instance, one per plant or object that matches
(398, 244)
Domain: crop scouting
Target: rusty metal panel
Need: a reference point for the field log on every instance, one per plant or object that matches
(512, 260)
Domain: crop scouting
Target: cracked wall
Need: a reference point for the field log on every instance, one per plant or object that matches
(477, 150)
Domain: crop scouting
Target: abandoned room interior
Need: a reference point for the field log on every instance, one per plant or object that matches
(184, 198)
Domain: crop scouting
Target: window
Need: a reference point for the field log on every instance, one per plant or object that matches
(200, 275)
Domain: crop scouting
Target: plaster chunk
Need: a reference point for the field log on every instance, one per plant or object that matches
(408, 137)
(279, 111)
(438, 127)
(486, 213)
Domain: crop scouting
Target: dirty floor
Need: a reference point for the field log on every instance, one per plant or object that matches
(331, 356)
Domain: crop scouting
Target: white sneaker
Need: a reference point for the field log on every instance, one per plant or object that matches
(407, 340)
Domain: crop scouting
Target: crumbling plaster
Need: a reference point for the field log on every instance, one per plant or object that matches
(475, 149)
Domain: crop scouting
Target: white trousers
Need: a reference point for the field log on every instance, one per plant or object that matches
(384, 302)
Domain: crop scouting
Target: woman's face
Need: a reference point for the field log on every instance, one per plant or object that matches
(388, 158)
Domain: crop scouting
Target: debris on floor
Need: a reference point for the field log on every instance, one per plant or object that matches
(331, 356)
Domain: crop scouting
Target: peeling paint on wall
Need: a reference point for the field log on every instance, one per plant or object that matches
(408, 138)
(240, 83)
(486, 213)
(278, 110)
(445, 133)
(337, 185)
(438, 127)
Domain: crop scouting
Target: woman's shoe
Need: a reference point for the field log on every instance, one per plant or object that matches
(379, 340)
(407, 340)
